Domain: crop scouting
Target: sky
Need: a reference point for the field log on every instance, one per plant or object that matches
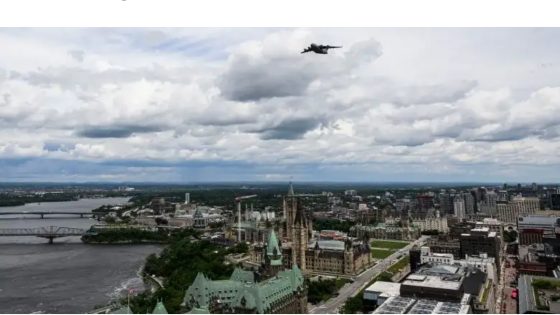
(242, 104)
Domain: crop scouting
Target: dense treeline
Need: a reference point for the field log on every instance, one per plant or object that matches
(323, 289)
(332, 224)
(9, 200)
(18, 200)
(178, 264)
(355, 304)
(127, 235)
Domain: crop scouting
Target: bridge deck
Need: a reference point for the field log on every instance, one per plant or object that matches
(47, 232)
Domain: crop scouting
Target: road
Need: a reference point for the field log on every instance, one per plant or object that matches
(509, 304)
(333, 305)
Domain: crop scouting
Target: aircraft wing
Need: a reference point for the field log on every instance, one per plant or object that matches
(306, 50)
(329, 47)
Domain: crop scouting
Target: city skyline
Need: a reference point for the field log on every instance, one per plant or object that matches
(211, 105)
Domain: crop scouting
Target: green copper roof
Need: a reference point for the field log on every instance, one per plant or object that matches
(242, 276)
(197, 310)
(160, 308)
(272, 244)
(238, 293)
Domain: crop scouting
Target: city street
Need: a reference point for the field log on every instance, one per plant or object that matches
(509, 304)
(333, 305)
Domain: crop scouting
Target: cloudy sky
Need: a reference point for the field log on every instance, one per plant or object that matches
(190, 105)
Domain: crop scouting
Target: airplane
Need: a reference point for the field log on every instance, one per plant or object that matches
(319, 49)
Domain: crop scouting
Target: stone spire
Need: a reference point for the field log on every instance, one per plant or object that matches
(291, 190)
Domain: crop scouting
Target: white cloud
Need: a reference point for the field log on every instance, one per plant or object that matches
(170, 95)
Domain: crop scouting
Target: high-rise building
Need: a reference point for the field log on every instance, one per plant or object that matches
(503, 196)
(510, 211)
(469, 203)
(459, 208)
(187, 198)
(446, 203)
(479, 241)
(488, 203)
(424, 204)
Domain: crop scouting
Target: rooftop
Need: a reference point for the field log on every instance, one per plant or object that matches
(437, 276)
(538, 220)
(328, 244)
(390, 288)
(433, 282)
(403, 305)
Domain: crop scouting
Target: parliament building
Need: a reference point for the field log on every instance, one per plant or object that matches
(315, 256)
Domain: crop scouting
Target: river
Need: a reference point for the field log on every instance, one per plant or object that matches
(67, 276)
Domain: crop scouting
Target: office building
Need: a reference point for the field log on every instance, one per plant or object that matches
(459, 208)
(445, 245)
(533, 228)
(509, 212)
(479, 241)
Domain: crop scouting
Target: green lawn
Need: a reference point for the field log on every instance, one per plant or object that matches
(399, 264)
(380, 253)
(388, 244)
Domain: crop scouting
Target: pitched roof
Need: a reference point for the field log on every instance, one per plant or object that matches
(242, 276)
(258, 296)
(159, 309)
(272, 244)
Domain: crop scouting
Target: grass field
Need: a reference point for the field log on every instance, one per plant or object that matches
(388, 244)
(400, 264)
(380, 253)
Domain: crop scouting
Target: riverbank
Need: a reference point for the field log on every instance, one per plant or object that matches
(124, 234)
(10, 200)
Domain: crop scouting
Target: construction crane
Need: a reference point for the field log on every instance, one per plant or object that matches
(238, 202)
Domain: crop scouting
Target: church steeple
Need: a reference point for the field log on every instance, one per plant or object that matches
(291, 190)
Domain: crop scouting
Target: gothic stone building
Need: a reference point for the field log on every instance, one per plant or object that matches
(316, 256)
(280, 291)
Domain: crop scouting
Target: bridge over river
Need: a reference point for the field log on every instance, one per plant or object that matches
(43, 214)
(49, 232)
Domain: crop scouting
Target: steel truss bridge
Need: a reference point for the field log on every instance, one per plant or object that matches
(49, 232)
(42, 214)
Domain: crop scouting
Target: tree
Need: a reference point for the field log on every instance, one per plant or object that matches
(353, 305)
(385, 276)
(510, 235)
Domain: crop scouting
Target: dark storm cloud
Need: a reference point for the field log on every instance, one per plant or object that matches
(290, 129)
(115, 131)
